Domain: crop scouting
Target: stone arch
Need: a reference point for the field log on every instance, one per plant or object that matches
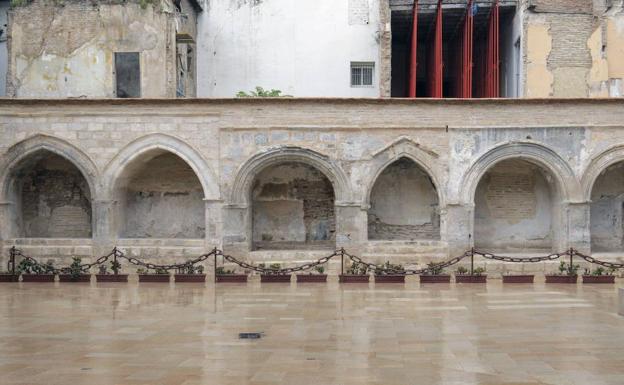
(404, 147)
(540, 155)
(602, 187)
(24, 149)
(168, 143)
(67, 192)
(257, 163)
(598, 165)
(549, 183)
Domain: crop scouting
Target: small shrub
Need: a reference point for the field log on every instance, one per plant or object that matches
(461, 270)
(261, 93)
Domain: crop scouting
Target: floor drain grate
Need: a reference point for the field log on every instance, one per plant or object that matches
(251, 336)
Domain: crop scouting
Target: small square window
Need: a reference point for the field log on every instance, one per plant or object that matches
(362, 74)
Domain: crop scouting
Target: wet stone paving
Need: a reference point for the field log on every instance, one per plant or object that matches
(130, 334)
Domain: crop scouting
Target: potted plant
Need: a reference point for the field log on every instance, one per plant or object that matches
(104, 275)
(434, 274)
(390, 273)
(518, 278)
(310, 277)
(159, 275)
(462, 275)
(75, 272)
(599, 275)
(356, 273)
(567, 274)
(190, 273)
(31, 271)
(224, 275)
(274, 275)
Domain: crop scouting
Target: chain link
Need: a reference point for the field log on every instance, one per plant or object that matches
(550, 257)
(438, 266)
(174, 266)
(609, 265)
(288, 270)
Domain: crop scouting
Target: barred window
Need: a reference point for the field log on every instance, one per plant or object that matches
(362, 74)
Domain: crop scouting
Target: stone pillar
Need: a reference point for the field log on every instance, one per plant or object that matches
(6, 220)
(236, 229)
(457, 226)
(104, 231)
(214, 223)
(351, 227)
(578, 226)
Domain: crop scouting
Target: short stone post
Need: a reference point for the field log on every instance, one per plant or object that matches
(621, 301)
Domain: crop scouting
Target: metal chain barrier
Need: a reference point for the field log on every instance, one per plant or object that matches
(441, 265)
(288, 270)
(116, 253)
(609, 265)
(550, 257)
(174, 266)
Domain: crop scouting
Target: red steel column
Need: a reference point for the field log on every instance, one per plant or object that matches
(413, 52)
(466, 70)
(435, 58)
(492, 79)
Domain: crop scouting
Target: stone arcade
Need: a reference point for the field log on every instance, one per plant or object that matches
(289, 179)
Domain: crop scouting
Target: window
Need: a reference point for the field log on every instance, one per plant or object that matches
(362, 74)
(127, 75)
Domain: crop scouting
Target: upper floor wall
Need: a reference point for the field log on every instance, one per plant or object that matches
(303, 48)
(101, 49)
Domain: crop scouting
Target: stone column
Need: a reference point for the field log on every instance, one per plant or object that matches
(236, 230)
(457, 226)
(6, 220)
(214, 223)
(578, 226)
(104, 231)
(351, 227)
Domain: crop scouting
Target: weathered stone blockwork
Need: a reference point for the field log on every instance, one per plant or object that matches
(229, 143)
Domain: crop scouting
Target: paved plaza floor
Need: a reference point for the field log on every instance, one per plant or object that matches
(118, 333)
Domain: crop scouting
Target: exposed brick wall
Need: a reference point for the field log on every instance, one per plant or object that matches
(55, 200)
(307, 192)
(569, 40)
(564, 6)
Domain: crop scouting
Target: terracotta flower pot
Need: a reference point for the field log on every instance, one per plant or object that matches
(518, 278)
(599, 279)
(348, 278)
(311, 277)
(231, 278)
(37, 277)
(111, 277)
(163, 278)
(189, 278)
(470, 278)
(8, 278)
(274, 278)
(435, 278)
(561, 278)
(394, 278)
(70, 278)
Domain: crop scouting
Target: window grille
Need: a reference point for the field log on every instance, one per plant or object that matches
(362, 74)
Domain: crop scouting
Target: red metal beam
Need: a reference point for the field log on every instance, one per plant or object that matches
(492, 75)
(466, 67)
(435, 69)
(413, 52)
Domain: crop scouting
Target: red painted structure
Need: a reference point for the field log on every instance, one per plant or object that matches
(435, 65)
(492, 73)
(413, 52)
(465, 69)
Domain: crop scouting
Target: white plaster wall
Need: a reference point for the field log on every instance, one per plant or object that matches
(4, 58)
(301, 47)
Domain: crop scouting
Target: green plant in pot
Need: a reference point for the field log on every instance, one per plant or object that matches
(357, 268)
(319, 269)
(75, 269)
(434, 268)
(569, 269)
(223, 271)
(389, 269)
(461, 270)
(478, 271)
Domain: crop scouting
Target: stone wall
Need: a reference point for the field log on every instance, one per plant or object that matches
(68, 50)
(404, 204)
(229, 143)
(607, 200)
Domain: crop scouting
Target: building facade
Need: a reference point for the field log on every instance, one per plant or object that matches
(292, 179)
